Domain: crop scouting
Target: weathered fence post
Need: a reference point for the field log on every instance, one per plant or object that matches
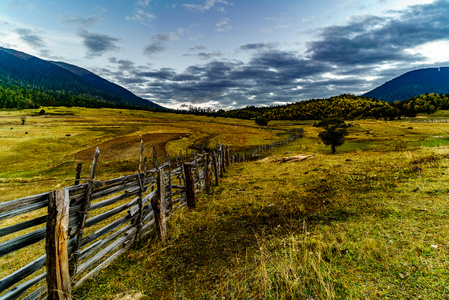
(85, 214)
(221, 157)
(56, 246)
(190, 185)
(78, 173)
(170, 197)
(155, 162)
(141, 190)
(207, 173)
(215, 167)
(227, 156)
(159, 206)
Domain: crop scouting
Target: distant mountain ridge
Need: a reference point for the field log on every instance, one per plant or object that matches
(412, 84)
(27, 71)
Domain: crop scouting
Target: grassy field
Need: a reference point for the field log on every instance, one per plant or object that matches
(43, 152)
(370, 222)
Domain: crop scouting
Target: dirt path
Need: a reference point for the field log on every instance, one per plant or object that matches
(128, 147)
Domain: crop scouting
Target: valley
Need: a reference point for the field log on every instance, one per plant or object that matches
(368, 222)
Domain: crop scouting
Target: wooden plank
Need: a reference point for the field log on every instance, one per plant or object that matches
(17, 291)
(23, 202)
(23, 209)
(148, 216)
(97, 219)
(96, 194)
(85, 266)
(92, 249)
(13, 278)
(103, 265)
(113, 200)
(22, 241)
(37, 294)
(56, 247)
(105, 230)
(22, 226)
(146, 229)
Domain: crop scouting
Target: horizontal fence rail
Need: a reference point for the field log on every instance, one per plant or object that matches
(73, 233)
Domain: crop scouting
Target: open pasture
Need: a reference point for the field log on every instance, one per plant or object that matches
(42, 154)
(367, 223)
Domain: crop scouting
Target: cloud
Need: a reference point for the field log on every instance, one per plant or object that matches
(141, 14)
(20, 4)
(49, 54)
(160, 41)
(342, 59)
(369, 40)
(197, 48)
(208, 4)
(27, 36)
(208, 56)
(223, 25)
(159, 44)
(97, 43)
(256, 46)
(81, 22)
(162, 74)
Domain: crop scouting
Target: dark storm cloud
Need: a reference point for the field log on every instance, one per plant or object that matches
(97, 43)
(373, 40)
(343, 59)
(30, 38)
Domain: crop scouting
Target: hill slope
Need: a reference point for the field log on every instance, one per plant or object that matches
(413, 84)
(26, 71)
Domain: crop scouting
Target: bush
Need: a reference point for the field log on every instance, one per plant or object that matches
(261, 121)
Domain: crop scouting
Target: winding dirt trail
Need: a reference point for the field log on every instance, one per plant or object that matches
(128, 147)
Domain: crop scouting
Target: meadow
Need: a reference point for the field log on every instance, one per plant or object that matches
(43, 152)
(369, 222)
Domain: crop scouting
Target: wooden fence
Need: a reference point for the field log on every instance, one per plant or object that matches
(81, 229)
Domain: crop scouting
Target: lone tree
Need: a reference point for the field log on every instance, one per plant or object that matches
(335, 131)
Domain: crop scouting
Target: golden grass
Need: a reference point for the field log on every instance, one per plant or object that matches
(365, 223)
(48, 146)
(370, 222)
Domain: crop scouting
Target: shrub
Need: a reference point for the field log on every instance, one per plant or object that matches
(261, 121)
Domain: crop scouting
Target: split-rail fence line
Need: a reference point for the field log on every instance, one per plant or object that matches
(111, 224)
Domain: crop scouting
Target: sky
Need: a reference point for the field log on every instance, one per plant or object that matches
(226, 54)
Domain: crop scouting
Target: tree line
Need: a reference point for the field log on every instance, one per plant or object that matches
(345, 107)
(15, 97)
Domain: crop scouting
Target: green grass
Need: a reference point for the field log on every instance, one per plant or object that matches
(48, 145)
(370, 222)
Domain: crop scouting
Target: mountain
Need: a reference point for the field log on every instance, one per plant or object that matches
(412, 84)
(27, 71)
